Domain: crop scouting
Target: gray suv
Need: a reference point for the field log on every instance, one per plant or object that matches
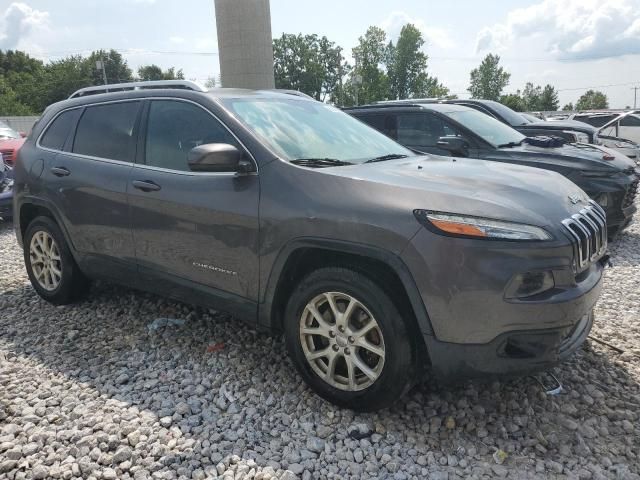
(295, 217)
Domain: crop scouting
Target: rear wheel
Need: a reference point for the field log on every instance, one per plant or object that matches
(348, 340)
(52, 270)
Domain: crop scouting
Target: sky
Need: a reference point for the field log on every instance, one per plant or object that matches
(571, 44)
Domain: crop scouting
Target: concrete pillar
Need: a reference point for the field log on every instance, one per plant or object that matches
(245, 43)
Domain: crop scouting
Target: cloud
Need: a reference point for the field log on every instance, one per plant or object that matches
(18, 21)
(176, 40)
(570, 29)
(436, 36)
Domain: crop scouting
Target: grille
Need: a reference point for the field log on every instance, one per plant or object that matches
(8, 155)
(630, 196)
(588, 231)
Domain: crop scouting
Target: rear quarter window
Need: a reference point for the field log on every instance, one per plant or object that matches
(58, 130)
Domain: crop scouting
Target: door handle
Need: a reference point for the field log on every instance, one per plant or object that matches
(146, 185)
(60, 171)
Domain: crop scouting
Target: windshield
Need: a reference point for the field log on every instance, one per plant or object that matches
(512, 117)
(6, 133)
(299, 129)
(490, 129)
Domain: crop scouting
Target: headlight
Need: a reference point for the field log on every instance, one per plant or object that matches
(478, 227)
(7, 185)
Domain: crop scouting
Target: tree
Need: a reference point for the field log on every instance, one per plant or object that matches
(489, 79)
(549, 99)
(115, 66)
(368, 79)
(531, 97)
(592, 100)
(407, 65)
(308, 63)
(514, 101)
(568, 107)
(154, 72)
(210, 83)
(9, 103)
(63, 77)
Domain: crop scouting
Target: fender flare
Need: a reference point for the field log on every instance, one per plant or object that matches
(387, 257)
(40, 202)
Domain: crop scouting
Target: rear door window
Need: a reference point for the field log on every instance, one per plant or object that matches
(57, 132)
(108, 131)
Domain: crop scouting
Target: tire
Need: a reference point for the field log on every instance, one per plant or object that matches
(45, 248)
(388, 334)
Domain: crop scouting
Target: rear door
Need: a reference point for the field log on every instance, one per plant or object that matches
(87, 179)
(192, 228)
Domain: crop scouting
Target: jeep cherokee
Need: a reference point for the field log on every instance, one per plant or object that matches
(296, 217)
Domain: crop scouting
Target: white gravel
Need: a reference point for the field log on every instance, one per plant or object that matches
(88, 391)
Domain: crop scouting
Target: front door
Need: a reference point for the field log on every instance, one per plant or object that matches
(193, 229)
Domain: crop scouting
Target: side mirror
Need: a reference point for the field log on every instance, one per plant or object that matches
(455, 145)
(216, 157)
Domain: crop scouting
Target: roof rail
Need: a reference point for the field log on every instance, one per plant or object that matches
(410, 100)
(120, 87)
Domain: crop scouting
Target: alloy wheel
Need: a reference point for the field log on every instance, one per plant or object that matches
(46, 262)
(342, 341)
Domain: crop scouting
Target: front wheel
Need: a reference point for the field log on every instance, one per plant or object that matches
(348, 340)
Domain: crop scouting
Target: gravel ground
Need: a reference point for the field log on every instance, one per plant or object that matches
(89, 391)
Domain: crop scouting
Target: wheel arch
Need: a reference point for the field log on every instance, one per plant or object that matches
(304, 255)
(33, 207)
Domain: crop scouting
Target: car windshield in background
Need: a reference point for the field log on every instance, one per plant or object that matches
(493, 131)
(8, 133)
(513, 118)
(298, 129)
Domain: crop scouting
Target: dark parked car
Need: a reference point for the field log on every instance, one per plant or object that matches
(6, 190)
(572, 131)
(293, 216)
(608, 177)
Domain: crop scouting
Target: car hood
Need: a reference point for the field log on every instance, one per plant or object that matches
(563, 125)
(467, 186)
(580, 156)
(12, 143)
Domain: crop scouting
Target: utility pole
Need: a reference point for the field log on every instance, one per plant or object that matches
(635, 96)
(100, 66)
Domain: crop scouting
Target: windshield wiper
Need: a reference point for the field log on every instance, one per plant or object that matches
(391, 156)
(320, 162)
(511, 144)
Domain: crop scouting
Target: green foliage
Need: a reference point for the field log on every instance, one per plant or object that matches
(115, 67)
(154, 72)
(368, 79)
(549, 99)
(210, 83)
(407, 64)
(489, 79)
(9, 103)
(514, 101)
(568, 107)
(308, 63)
(28, 86)
(592, 100)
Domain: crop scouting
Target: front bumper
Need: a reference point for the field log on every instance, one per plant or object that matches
(475, 328)
(512, 353)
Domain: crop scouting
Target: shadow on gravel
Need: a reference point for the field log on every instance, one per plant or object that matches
(245, 399)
